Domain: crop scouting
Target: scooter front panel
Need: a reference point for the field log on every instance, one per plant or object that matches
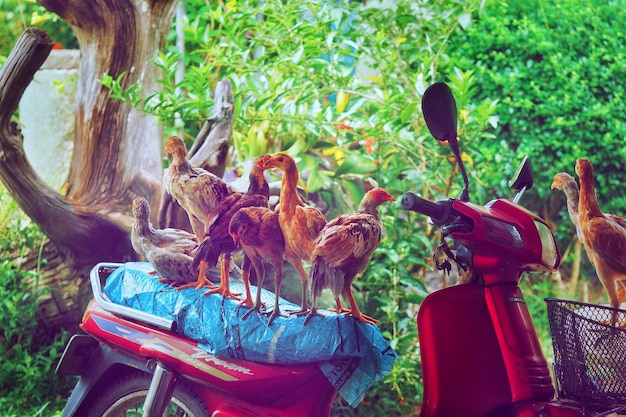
(462, 366)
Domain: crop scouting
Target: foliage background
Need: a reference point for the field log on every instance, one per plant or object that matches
(340, 90)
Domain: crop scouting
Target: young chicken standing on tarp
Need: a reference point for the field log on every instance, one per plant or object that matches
(603, 237)
(566, 183)
(299, 221)
(170, 251)
(257, 231)
(217, 242)
(195, 189)
(343, 249)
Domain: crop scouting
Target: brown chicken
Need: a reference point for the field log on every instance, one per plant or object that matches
(566, 183)
(343, 249)
(299, 222)
(195, 189)
(603, 237)
(217, 242)
(257, 231)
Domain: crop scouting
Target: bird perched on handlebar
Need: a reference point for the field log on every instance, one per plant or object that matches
(604, 237)
(343, 249)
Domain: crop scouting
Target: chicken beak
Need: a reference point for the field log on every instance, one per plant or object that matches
(262, 163)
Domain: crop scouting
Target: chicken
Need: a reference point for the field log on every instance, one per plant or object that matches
(143, 234)
(343, 249)
(170, 251)
(195, 189)
(217, 242)
(566, 183)
(299, 222)
(257, 231)
(604, 238)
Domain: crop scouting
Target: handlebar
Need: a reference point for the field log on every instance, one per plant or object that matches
(438, 211)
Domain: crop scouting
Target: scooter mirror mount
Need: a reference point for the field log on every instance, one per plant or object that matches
(440, 114)
(522, 178)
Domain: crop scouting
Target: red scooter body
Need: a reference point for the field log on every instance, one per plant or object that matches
(480, 353)
(479, 350)
(228, 387)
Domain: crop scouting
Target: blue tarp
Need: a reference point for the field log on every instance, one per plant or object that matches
(335, 342)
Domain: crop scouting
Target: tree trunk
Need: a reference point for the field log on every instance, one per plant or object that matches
(116, 148)
(117, 151)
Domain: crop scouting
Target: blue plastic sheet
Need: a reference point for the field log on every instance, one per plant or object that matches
(351, 354)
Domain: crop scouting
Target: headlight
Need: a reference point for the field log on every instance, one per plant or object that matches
(549, 252)
(502, 232)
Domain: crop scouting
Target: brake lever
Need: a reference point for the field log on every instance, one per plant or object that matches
(443, 255)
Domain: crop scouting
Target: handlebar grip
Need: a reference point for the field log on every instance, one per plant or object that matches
(437, 211)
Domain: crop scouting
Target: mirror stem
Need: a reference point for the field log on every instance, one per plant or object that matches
(454, 146)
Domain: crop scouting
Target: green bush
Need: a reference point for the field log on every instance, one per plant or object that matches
(17, 15)
(28, 382)
(557, 71)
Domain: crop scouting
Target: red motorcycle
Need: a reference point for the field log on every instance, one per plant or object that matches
(479, 350)
(152, 350)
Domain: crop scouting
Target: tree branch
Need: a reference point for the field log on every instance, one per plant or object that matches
(76, 230)
(29, 53)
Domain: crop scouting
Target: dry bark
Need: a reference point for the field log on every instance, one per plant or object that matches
(117, 151)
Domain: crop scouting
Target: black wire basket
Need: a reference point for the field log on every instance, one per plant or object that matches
(589, 353)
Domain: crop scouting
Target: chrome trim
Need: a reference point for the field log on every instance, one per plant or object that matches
(127, 312)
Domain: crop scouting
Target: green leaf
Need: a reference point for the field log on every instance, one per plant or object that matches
(355, 164)
(316, 180)
(408, 112)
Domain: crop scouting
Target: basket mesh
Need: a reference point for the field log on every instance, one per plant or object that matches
(589, 354)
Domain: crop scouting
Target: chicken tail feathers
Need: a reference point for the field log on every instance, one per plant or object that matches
(206, 252)
(323, 276)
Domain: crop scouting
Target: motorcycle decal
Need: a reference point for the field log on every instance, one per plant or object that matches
(130, 334)
(201, 354)
(183, 352)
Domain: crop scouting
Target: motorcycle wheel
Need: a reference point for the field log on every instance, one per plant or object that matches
(125, 397)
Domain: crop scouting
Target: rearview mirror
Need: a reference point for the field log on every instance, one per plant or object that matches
(522, 178)
(440, 114)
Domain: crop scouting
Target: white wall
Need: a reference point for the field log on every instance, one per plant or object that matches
(46, 114)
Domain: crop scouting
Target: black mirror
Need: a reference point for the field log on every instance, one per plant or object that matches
(522, 178)
(440, 113)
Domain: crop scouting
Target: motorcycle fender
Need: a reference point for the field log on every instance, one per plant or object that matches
(77, 354)
(90, 360)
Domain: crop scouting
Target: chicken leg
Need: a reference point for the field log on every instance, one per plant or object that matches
(224, 287)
